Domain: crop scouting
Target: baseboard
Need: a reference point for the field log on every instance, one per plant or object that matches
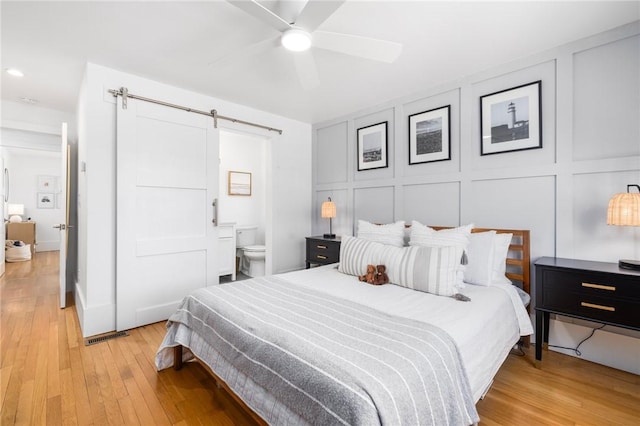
(607, 348)
(95, 319)
(47, 246)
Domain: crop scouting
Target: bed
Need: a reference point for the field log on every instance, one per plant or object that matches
(318, 346)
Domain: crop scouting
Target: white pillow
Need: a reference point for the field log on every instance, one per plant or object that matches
(501, 244)
(428, 269)
(392, 233)
(357, 253)
(480, 258)
(422, 235)
(487, 255)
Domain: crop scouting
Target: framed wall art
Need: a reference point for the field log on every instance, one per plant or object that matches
(429, 136)
(239, 183)
(372, 147)
(511, 120)
(46, 200)
(47, 183)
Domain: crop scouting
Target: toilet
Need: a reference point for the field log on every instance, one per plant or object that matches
(251, 255)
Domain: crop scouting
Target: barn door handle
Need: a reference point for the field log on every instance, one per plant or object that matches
(215, 212)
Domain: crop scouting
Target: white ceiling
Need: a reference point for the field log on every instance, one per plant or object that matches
(188, 44)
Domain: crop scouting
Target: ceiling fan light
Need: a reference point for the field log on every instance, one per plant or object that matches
(296, 40)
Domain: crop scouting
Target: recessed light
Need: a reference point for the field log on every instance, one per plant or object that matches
(296, 40)
(28, 100)
(15, 72)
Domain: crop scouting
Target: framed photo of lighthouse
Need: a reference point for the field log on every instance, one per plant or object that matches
(511, 120)
(372, 146)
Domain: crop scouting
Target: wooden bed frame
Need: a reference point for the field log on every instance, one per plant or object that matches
(518, 269)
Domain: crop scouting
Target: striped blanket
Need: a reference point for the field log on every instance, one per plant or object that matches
(328, 360)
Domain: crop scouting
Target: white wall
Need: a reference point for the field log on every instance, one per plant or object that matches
(25, 166)
(244, 153)
(289, 193)
(39, 128)
(590, 150)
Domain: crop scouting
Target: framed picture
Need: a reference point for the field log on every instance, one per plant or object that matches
(429, 136)
(372, 147)
(511, 120)
(46, 200)
(239, 183)
(47, 183)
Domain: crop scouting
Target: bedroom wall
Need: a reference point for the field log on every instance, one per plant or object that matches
(590, 150)
(39, 128)
(287, 172)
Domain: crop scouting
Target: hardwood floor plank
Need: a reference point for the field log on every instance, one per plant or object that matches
(48, 376)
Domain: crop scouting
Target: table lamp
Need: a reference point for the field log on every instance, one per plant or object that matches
(329, 211)
(15, 212)
(624, 210)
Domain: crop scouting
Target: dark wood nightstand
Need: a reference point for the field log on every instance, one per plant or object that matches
(594, 291)
(322, 250)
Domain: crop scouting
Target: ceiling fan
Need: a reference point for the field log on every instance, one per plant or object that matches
(301, 34)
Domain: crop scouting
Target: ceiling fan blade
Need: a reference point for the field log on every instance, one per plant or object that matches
(260, 12)
(315, 13)
(307, 71)
(243, 52)
(364, 47)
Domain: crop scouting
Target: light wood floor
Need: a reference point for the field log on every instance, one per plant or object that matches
(48, 376)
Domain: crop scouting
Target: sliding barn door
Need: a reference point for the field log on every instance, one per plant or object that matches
(167, 180)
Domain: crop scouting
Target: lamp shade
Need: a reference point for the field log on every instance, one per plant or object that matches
(15, 209)
(15, 212)
(624, 208)
(328, 209)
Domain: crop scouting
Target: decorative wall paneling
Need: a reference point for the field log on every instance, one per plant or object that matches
(590, 150)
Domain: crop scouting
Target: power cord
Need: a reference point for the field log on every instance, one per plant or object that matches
(576, 349)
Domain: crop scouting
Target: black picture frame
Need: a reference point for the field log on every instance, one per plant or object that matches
(372, 147)
(430, 135)
(511, 119)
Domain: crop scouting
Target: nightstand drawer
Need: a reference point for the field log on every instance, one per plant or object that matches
(322, 251)
(591, 283)
(592, 306)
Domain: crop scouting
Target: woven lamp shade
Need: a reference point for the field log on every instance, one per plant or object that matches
(328, 210)
(624, 209)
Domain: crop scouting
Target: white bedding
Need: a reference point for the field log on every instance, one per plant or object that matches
(485, 328)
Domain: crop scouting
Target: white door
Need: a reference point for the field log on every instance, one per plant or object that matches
(64, 204)
(4, 196)
(167, 182)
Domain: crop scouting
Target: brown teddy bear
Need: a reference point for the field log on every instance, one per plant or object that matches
(381, 275)
(370, 276)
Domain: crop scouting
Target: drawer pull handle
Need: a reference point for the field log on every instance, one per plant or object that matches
(321, 256)
(599, 286)
(594, 306)
(322, 247)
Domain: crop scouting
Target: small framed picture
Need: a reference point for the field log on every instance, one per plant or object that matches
(429, 136)
(372, 147)
(511, 120)
(46, 200)
(239, 183)
(47, 183)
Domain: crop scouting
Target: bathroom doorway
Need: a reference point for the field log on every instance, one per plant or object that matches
(246, 156)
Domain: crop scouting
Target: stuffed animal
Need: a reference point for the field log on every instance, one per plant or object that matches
(381, 275)
(370, 276)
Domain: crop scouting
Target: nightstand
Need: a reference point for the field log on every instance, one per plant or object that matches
(593, 291)
(23, 231)
(322, 250)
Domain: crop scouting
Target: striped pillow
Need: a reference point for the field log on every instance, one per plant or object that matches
(392, 233)
(428, 269)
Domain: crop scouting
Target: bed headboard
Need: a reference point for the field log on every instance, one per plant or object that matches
(518, 257)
